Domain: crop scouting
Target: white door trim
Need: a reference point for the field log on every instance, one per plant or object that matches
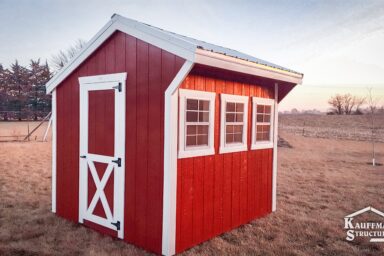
(92, 83)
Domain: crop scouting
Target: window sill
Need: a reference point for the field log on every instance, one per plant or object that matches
(232, 149)
(196, 152)
(262, 145)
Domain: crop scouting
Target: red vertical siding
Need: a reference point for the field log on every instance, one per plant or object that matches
(219, 192)
(150, 70)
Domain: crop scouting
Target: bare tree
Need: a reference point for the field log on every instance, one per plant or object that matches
(372, 107)
(345, 104)
(64, 56)
(337, 104)
(359, 101)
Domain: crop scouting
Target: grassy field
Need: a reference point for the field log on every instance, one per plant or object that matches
(319, 182)
(346, 127)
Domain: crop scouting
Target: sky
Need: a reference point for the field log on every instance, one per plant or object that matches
(337, 44)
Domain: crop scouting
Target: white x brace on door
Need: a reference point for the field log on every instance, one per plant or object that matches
(102, 108)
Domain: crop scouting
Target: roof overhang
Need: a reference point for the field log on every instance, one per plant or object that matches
(175, 45)
(222, 61)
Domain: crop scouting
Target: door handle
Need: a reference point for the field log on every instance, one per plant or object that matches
(83, 156)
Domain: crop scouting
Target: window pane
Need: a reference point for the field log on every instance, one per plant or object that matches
(191, 141)
(260, 108)
(266, 135)
(229, 138)
(266, 128)
(239, 117)
(191, 116)
(204, 105)
(259, 136)
(267, 109)
(239, 107)
(238, 128)
(267, 118)
(238, 138)
(192, 104)
(203, 116)
(202, 139)
(260, 118)
(230, 118)
(191, 129)
(231, 107)
(259, 128)
(202, 129)
(229, 129)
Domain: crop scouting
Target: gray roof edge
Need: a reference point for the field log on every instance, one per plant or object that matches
(213, 47)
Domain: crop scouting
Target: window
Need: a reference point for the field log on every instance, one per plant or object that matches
(262, 123)
(196, 123)
(234, 116)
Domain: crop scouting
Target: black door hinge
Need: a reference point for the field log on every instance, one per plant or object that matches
(118, 87)
(116, 224)
(118, 162)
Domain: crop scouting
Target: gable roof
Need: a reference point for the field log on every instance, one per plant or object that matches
(185, 47)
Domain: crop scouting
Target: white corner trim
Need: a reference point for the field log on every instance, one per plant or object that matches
(275, 140)
(54, 148)
(185, 151)
(262, 144)
(152, 35)
(171, 98)
(238, 65)
(227, 148)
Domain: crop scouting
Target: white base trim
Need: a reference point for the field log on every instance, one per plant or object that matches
(170, 161)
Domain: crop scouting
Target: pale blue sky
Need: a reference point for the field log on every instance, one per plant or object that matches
(338, 45)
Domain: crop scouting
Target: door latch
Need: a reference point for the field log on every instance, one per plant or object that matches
(117, 161)
(116, 224)
(83, 156)
(118, 87)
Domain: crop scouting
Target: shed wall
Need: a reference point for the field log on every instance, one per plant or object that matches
(149, 72)
(220, 192)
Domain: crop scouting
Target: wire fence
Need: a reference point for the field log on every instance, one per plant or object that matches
(335, 133)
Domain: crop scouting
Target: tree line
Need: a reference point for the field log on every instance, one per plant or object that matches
(22, 88)
(22, 91)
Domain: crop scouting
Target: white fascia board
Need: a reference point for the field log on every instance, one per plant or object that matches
(140, 31)
(238, 65)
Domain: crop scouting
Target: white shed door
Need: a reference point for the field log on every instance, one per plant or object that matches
(102, 142)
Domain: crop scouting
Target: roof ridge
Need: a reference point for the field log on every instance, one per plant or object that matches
(213, 47)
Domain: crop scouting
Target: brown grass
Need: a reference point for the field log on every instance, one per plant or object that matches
(319, 182)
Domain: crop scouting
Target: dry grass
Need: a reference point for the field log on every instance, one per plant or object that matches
(346, 127)
(320, 181)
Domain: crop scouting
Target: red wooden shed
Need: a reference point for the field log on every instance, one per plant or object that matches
(163, 140)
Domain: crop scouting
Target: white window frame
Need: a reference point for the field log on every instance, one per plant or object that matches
(262, 144)
(185, 151)
(233, 147)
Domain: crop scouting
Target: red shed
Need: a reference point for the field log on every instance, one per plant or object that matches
(163, 140)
